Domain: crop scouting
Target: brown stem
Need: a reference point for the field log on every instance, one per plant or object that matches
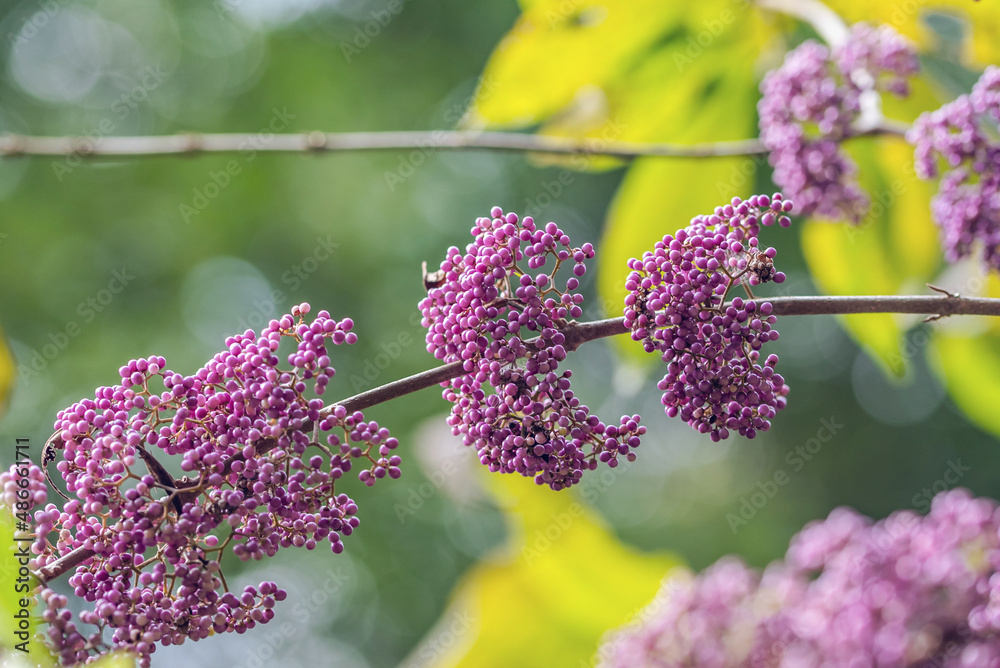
(63, 564)
(576, 334)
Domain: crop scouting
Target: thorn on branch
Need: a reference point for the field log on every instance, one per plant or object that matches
(935, 288)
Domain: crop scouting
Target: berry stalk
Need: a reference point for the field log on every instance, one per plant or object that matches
(576, 334)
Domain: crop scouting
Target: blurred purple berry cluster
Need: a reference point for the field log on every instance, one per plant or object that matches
(499, 310)
(244, 428)
(960, 139)
(23, 481)
(812, 103)
(677, 306)
(909, 591)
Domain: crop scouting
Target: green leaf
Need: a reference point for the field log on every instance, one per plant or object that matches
(545, 599)
(894, 250)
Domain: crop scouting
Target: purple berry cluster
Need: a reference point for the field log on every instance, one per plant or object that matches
(811, 103)
(908, 591)
(499, 309)
(877, 57)
(677, 306)
(962, 136)
(23, 487)
(260, 479)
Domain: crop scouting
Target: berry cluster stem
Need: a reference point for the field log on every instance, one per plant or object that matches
(933, 306)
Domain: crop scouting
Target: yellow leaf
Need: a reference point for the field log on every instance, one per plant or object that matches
(12, 594)
(965, 351)
(547, 598)
(923, 96)
(685, 87)
(895, 249)
(969, 367)
(556, 49)
(115, 660)
(8, 374)
(659, 197)
(681, 93)
(982, 18)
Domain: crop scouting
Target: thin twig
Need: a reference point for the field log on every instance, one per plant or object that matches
(329, 142)
(12, 145)
(579, 333)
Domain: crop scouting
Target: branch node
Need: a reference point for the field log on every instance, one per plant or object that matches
(194, 142)
(317, 140)
(83, 147)
(14, 146)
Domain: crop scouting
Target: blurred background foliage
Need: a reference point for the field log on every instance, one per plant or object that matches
(106, 261)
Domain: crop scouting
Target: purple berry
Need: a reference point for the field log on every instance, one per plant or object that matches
(502, 316)
(961, 136)
(812, 102)
(241, 428)
(677, 307)
(906, 591)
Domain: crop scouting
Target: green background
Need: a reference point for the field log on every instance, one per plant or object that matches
(198, 277)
